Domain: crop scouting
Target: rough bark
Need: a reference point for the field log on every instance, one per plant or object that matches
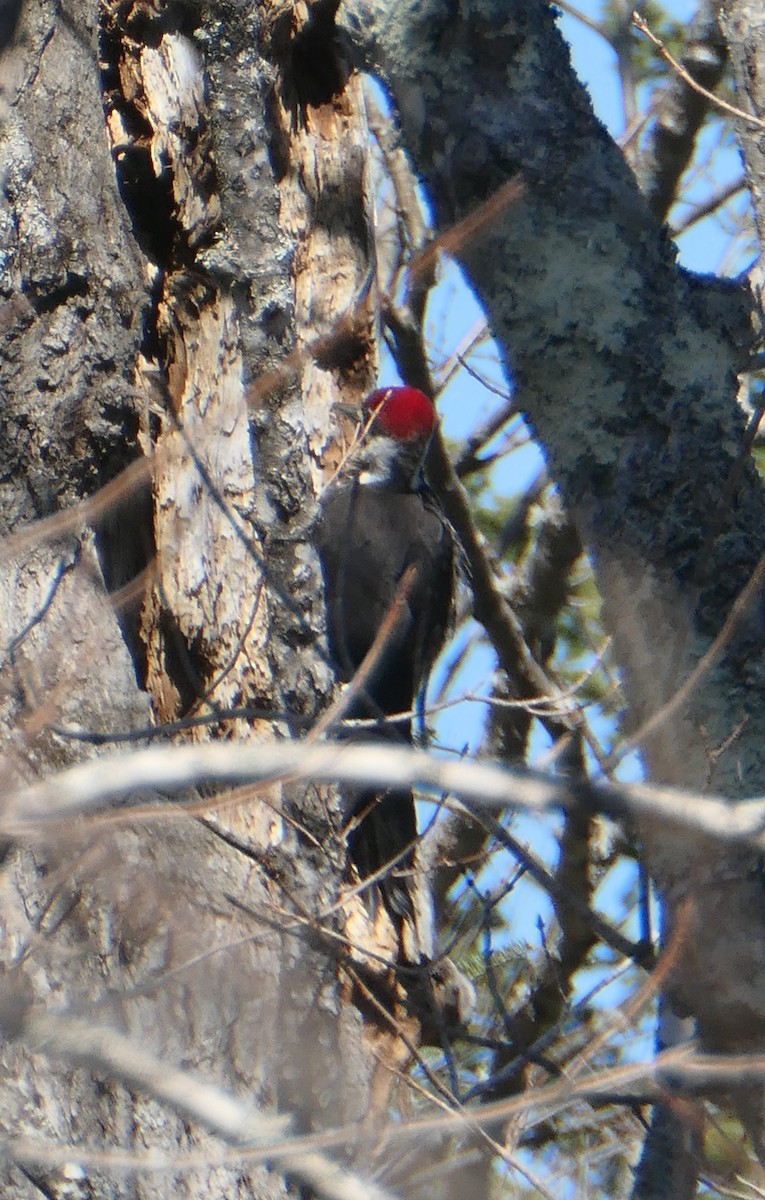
(167, 230)
(743, 23)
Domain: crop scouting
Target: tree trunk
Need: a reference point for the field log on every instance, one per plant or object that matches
(175, 238)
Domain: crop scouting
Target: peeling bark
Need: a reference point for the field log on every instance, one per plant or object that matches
(159, 298)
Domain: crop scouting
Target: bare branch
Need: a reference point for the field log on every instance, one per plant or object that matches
(717, 101)
(31, 811)
(681, 111)
(237, 1123)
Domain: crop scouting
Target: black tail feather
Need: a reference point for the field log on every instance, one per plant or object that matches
(382, 836)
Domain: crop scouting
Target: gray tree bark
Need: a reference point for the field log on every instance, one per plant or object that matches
(172, 206)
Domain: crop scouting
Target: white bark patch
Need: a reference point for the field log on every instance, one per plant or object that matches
(174, 103)
(209, 562)
(160, 109)
(331, 166)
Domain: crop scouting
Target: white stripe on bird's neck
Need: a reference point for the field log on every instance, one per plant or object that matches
(386, 462)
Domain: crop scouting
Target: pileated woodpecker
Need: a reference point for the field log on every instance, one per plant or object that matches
(388, 556)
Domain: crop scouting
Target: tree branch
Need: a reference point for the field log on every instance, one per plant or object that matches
(31, 812)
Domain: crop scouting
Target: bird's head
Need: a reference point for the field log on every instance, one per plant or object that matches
(400, 423)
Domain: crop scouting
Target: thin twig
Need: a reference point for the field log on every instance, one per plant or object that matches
(72, 520)
(643, 26)
(681, 1064)
(388, 626)
(700, 211)
(706, 662)
(464, 232)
